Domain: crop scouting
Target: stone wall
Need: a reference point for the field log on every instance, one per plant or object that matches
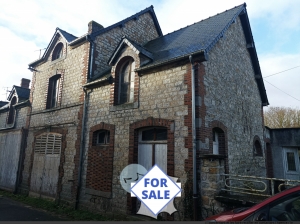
(65, 118)
(141, 31)
(229, 99)
(161, 96)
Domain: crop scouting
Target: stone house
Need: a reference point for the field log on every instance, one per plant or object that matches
(13, 134)
(123, 94)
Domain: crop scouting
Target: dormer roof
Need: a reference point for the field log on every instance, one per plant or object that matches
(133, 45)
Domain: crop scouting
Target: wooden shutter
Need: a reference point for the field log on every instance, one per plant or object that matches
(48, 144)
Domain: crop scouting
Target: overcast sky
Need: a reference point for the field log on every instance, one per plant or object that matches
(28, 25)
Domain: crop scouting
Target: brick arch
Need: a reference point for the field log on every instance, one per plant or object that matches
(129, 53)
(133, 148)
(223, 141)
(100, 160)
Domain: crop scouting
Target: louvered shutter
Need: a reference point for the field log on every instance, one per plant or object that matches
(48, 144)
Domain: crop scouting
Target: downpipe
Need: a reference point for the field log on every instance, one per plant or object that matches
(86, 98)
(195, 193)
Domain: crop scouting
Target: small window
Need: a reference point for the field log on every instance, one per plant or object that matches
(53, 92)
(57, 52)
(126, 82)
(12, 111)
(290, 156)
(101, 137)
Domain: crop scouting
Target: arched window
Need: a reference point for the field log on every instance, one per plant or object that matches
(57, 52)
(126, 82)
(257, 149)
(11, 113)
(218, 141)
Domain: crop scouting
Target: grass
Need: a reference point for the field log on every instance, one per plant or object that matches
(66, 212)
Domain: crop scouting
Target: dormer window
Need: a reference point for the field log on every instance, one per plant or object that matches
(57, 52)
(126, 82)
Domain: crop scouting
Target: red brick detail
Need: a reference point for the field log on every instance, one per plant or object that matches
(100, 160)
(223, 141)
(63, 132)
(133, 149)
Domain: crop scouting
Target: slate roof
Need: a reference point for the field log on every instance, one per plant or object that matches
(138, 48)
(200, 36)
(69, 37)
(23, 93)
(3, 103)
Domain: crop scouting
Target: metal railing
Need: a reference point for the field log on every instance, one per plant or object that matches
(258, 186)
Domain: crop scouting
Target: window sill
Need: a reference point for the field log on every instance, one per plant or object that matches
(212, 156)
(125, 106)
(58, 60)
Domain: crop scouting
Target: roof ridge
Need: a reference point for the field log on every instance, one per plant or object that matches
(244, 4)
(150, 8)
(57, 28)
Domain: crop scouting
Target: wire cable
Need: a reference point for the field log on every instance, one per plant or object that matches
(283, 91)
(281, 71)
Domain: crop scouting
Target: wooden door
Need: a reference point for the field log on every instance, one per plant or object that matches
(45, 170)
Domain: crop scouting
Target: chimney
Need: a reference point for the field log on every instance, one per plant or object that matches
(25, 83)
(94, 26)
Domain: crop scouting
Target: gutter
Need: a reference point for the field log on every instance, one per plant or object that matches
(86, 98)
(195, 193)
(201, 52)
(78, 40)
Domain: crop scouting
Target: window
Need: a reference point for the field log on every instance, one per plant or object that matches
(290, 157)
(257, 147)
(11, 113)
(54, 92)
(57, 52)
(152, 148)
(101, 137)
(218, 141)
(48, 143)
(126, 82)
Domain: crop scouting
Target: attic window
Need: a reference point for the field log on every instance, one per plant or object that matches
(57, 52)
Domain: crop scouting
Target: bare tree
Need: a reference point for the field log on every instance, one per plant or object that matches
(282, 117)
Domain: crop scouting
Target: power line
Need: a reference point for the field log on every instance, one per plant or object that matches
(282, 71)
(282, 90)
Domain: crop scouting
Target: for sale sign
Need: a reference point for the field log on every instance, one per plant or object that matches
(155, 190)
